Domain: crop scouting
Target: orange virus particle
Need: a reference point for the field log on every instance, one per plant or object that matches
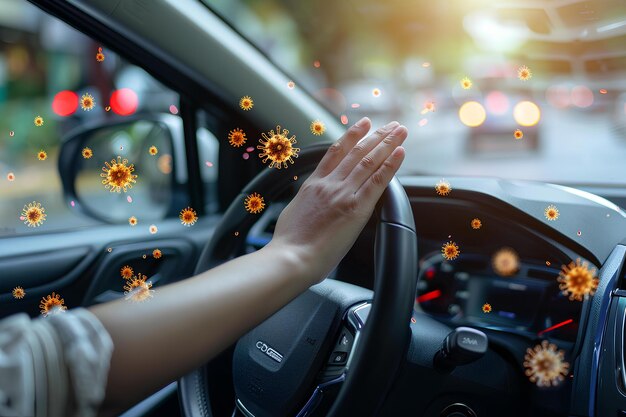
(487, 308)
(278, 148)
(99, 55)
(318, 128)
(577, 280)
(476, 224)
(450, 251)
(518, 134)
(156, 254)
(153, 229)
(466, 83)
(524, 73)
(237, 137)
(38, 121)
(118, 175)
(52, 304)
(33, 214)
(11, 176)
(188, 216)
(152, 150)
(42, 155)
(551, 213)
(545, 364)
(87, 102)
(18, 293)
(132, 220)
(137, 289)
(443, 187)
(246, 103)
(127, 272)
(291, 85)
(87, 153)
(505, 262)
(254, 203)
(376, 92)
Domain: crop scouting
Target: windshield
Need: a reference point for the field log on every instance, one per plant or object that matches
(510, 89)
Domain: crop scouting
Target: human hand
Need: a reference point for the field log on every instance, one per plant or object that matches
(333, 205)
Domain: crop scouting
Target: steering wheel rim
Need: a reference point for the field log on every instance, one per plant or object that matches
(385, 337)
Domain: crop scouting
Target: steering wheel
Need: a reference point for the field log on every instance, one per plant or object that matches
(333, 339)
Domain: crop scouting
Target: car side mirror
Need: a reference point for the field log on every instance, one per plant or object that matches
(152, 144)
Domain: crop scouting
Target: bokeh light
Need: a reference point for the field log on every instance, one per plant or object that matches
(526, 113)
(582, 96)
(558, 96)
(124, 101)
(472, 114)
(65, 103)
(497, 102)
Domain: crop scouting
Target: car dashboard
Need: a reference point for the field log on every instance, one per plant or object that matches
(491, 258)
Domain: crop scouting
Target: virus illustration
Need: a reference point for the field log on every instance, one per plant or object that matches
(87, 102)
(487, 308)
(132, 220)
(443, 187)
(278, 148)
(157, 254)
(476, 224)
(518, 134)
(545, 365)
(87, 153)
(153, 150)
(188, 216)
(291, 85)
(450, 251)
(33, 214)
(18, 293)
(466, 83)
(505, 262)
(42, 155)
(11, 176)
(524, 73)
(52, 304)
(237, 137)
(376, 92)
(318, 128)
(127, 272)
(246, 103)
(153, 229)
(118, 175)
(99, 55)
(254, 203)
(137, 289)
(551, 213)
(38, 121)
(576, 280)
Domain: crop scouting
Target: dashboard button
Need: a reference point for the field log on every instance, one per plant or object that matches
(338, 358)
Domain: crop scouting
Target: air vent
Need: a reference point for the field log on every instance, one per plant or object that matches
(542, 273)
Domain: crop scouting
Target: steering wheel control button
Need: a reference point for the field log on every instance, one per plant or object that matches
(345, 342)
(338, 358)
(462, 346)
(457, 410)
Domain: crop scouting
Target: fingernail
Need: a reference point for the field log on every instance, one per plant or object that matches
(362, 122)
(391, 125)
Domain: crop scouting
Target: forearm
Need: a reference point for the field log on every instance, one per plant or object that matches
(188, 322)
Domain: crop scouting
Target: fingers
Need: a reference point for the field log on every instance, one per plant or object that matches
(337, 152)
(366, 167)
(374, 186)
(361, 149)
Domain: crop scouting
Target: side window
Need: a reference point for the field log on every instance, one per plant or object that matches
(53, 81)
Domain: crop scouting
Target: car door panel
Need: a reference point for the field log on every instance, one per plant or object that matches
(80, 267)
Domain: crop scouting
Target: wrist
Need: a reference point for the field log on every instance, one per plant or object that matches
(295, 258)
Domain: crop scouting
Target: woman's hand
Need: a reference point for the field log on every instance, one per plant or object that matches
(333, 205)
